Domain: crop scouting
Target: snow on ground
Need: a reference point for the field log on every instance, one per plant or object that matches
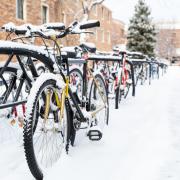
(142, 141)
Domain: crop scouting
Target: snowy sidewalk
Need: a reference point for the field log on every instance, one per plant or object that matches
(142, 141)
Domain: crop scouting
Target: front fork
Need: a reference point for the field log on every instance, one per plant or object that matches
(60, 101)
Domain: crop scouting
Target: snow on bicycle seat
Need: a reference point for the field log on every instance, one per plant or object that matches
(120, 49)
(20, 30)
(69, 52)
(89, 47)
(136, 55)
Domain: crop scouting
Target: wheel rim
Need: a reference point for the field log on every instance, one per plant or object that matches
(76, 82)
(96, 101)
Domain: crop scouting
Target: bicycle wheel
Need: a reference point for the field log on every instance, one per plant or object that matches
(128, 83)
(76, 81)
(45, 133)
(98, 98)
(118, 93)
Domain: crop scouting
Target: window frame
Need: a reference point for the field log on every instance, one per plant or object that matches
(102, 12)
(23, 10)
(109, 37)
(47, 13)
(94, 10)
(103, 37)
(64, 17)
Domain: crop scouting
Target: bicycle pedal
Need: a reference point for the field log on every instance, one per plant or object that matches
(94, 135)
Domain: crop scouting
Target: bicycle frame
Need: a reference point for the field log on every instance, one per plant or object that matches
(67, 94)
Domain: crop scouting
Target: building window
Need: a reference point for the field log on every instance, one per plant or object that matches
(44, 14)
(109, 37)
(94, 10)
(102, 36)
(20, 9)
(109, 16)
(64, 18)
(95, 35)
(102, 13)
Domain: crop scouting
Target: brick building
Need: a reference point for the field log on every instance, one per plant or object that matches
(42, 11)
(102, 37)
(31, 11)
(118, 33)
(168, 40)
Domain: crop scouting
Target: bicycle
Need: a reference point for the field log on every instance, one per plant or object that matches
(53, 105)
(125, 79)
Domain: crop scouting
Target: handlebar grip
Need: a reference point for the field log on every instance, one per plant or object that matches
(89, 24)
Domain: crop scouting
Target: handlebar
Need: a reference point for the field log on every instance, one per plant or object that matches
(49, 30)
(74, 28)
(89, 24)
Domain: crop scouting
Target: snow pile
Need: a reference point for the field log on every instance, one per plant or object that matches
(142, 141)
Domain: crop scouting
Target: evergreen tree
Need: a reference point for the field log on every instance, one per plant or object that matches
(141, 31)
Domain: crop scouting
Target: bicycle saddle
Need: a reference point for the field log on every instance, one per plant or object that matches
(90, 47)
(69, 51)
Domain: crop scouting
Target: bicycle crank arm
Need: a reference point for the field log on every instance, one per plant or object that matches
(97, 110)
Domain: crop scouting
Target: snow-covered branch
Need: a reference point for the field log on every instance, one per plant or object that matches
(78, 14)
(87, 7)
(93, 3)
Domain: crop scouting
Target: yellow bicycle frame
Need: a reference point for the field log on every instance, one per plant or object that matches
(60, 102)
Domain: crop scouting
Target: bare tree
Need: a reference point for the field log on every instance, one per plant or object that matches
(82, 14)
(87, 6)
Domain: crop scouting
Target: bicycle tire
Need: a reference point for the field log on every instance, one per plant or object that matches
(93, 90)
(77, 72)
(127, 85)
(30, 152)
(118, 94)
